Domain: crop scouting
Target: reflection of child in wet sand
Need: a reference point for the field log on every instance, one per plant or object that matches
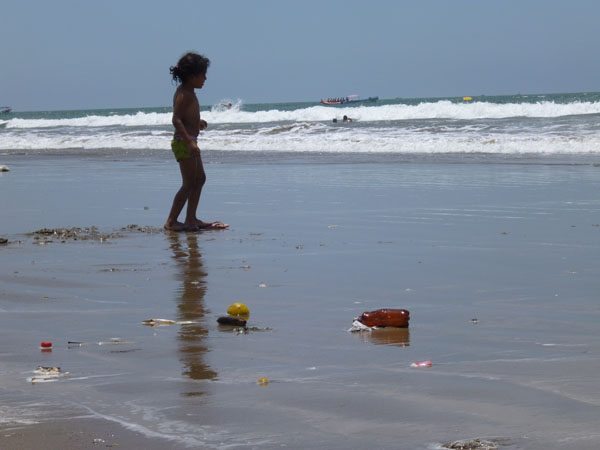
(190, 72)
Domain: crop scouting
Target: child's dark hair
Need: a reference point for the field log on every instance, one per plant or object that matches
(189, 65)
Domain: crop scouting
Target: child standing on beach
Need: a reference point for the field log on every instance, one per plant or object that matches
(190, 72)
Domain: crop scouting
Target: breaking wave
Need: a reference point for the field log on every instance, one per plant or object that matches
(443, 109)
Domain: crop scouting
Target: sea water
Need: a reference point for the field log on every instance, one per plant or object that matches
(516, 125)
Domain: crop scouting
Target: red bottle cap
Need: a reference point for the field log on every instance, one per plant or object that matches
(45, 344)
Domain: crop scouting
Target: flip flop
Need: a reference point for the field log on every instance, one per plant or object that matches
(212, 225)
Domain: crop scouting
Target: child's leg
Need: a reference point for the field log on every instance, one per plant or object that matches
(187, 168)
(195, 199)
(196, 191)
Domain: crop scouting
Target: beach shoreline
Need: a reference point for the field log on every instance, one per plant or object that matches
(311, 246)
(254, 157)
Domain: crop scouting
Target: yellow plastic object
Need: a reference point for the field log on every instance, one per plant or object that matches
(263, 381)
(238, 309)
(467, 99)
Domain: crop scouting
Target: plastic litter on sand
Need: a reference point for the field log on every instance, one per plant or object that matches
(420, 364)
(238, 309)
(166, 322)
(46, 374)
(115, 341)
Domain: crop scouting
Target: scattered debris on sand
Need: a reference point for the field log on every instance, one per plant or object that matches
(115, 341)
(231, 321)
(472, 444)
(247, 330)
(46, 374)
(166, 322)
(45, 236)
(133, 228)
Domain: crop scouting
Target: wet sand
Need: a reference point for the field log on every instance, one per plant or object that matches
(84, 433)
(311, 246)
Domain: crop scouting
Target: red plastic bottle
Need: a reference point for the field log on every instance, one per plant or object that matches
(46, 346)
(386, 317)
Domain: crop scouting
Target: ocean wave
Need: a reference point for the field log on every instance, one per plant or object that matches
(443, 109)
(94, 121)
(299, 139)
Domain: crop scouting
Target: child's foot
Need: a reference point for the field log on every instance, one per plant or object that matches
(190, 227)
(211, 225)
(174, 226)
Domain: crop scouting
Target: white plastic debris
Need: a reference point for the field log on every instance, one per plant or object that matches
(115, 341)
(420, 364)
(358, 326)
(158, 322)
(165, 322)
(46, 375)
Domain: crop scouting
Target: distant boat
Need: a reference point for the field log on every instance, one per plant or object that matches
(5, 109)
(336, 101)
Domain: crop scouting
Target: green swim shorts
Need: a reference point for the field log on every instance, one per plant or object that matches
(180, 150)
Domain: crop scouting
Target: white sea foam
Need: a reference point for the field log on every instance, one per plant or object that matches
(299, 138)
(128, 120)
(150, 422)
(442, 109)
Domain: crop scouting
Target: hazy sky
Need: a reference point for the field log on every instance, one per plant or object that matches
(116, 53)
